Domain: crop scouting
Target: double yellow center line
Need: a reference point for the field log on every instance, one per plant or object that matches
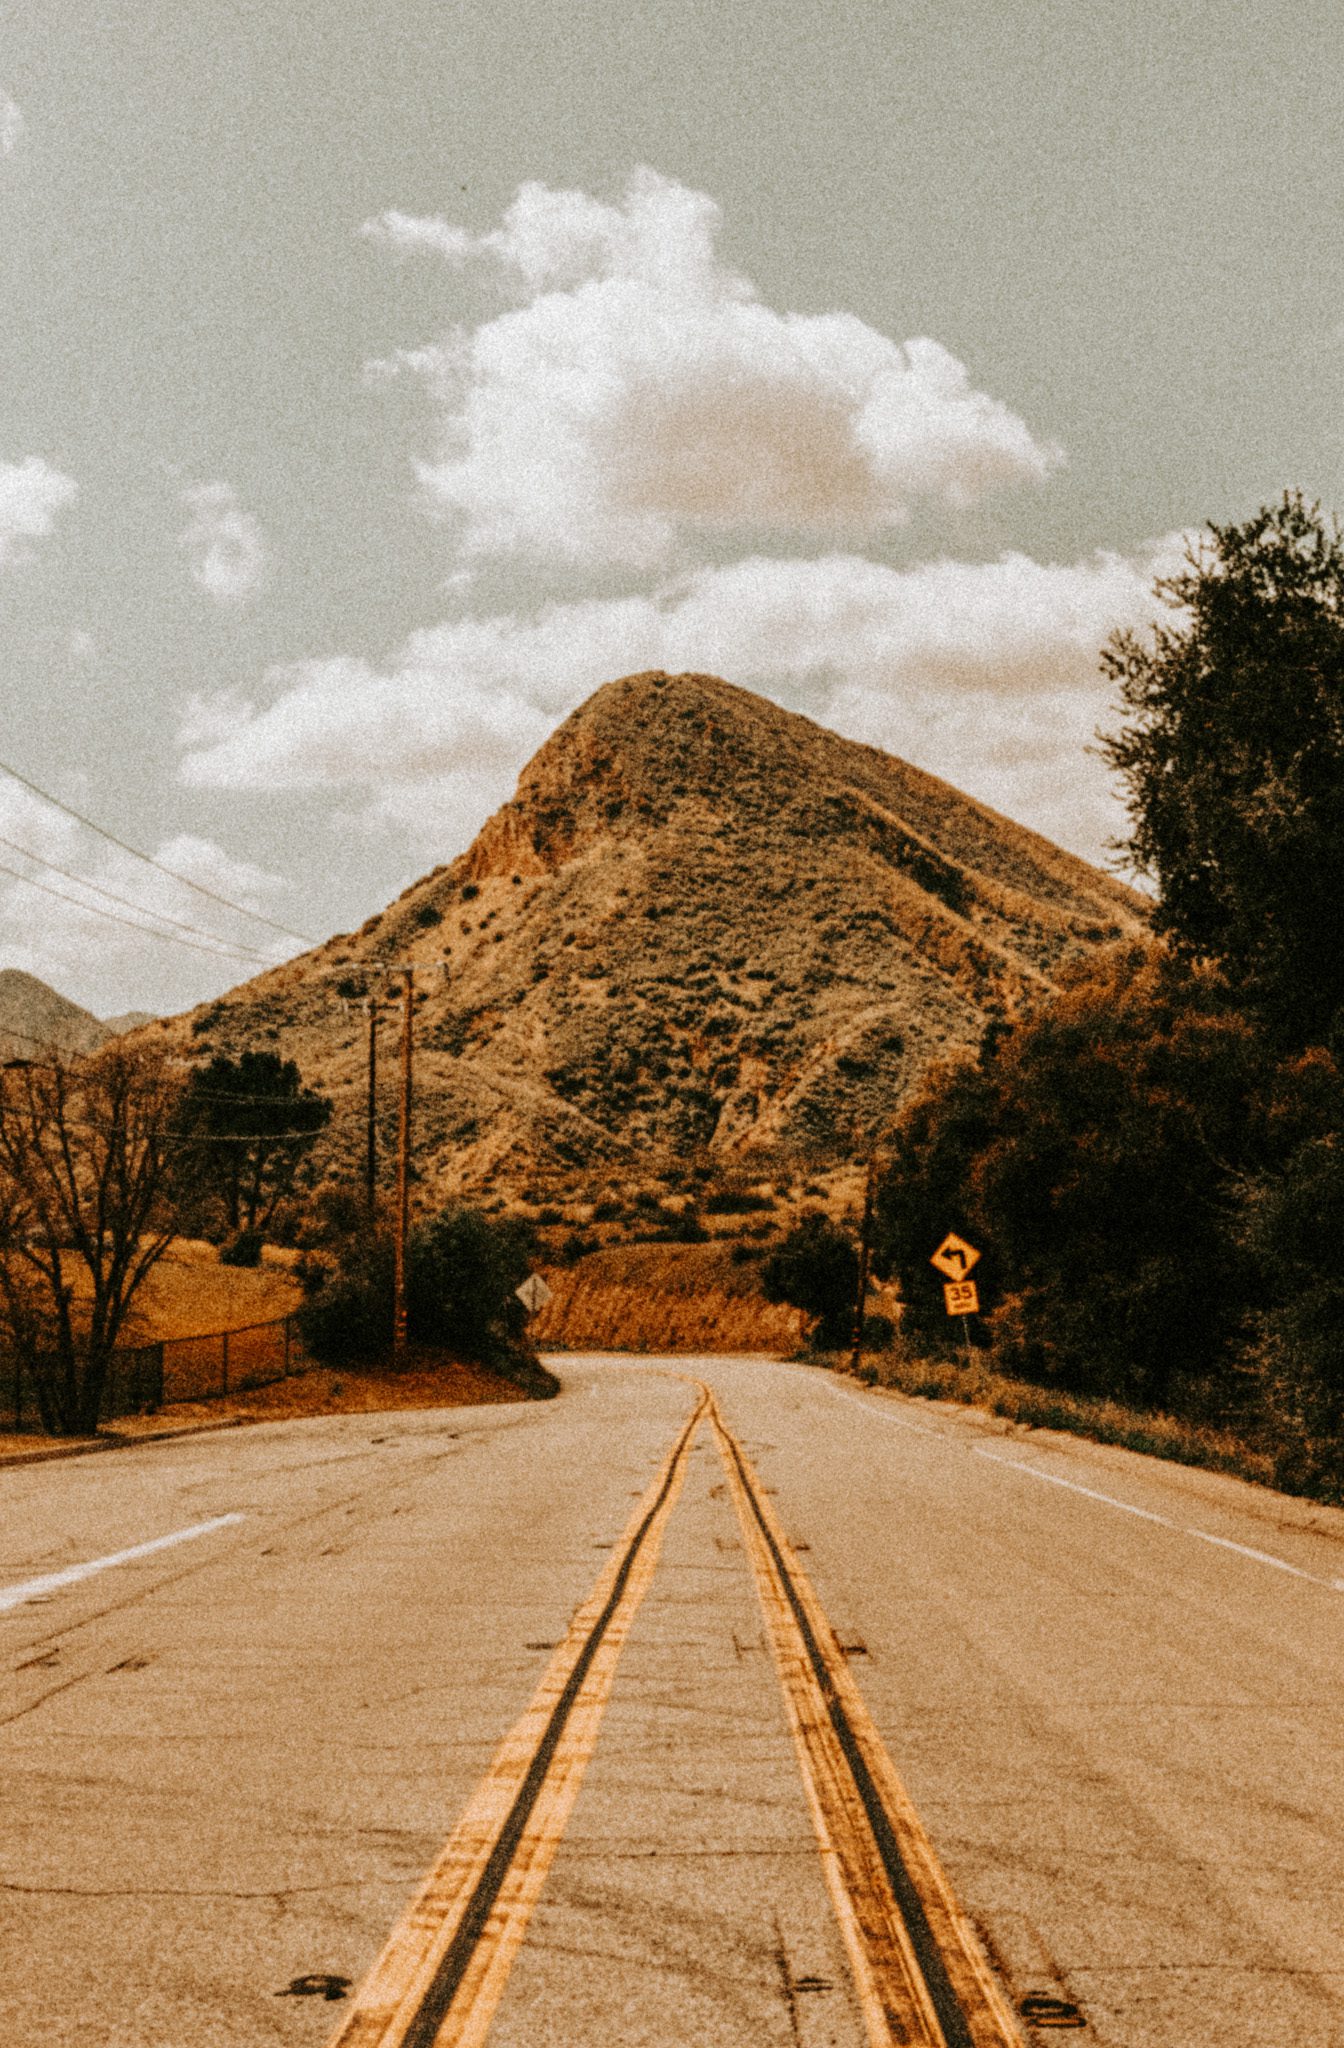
(920, 1974)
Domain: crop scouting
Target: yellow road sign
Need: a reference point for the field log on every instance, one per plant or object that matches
(955, 1257)
(962, 1297)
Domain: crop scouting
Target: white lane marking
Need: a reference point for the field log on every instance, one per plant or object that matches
(1108, 1499)
(1280, 1564)
(51, 1582)
(1261, 1556)
(1053, 1479)
(898, 1421)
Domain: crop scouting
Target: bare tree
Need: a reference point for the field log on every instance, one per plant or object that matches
(83, 1155)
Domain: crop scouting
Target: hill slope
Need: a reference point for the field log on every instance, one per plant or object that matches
(34, 1019)
(702, 923)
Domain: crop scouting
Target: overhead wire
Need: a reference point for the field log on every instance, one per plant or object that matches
(137, 853)
(126, 902)
(217, 951)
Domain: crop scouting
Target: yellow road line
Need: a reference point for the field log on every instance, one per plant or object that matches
(443, 1971)
(919, 1970)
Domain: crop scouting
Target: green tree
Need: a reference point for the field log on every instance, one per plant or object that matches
(462, 1269)
(83, 1217)
(244, 1128)
(1234, 760)
(1095, 1158)
(816, 1268)
(1295, 1228)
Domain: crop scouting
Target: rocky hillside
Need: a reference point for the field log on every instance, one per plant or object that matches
(35, 1020)
(703, 926)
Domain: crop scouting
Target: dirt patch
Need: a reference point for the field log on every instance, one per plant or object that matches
(428, 1382)
(326, 1390)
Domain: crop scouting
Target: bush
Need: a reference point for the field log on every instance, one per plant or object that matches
(679, 1226)
(816, 1269)
(243, 1249)
(1098, 1157)
(462, 1268)
(1295, 1228)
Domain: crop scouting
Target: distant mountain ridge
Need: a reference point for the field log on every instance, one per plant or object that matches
(702, 926)
(35, 1019)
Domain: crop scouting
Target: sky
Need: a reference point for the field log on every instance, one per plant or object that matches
(377, 382)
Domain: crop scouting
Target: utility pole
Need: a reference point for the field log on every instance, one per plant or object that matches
(371, 1161)
(403, 1172)
(865, 1237)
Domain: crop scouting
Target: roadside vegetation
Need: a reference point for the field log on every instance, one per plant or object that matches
(462, 1271)
(1153, 1166)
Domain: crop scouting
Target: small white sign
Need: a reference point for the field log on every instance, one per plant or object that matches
(534, 1293)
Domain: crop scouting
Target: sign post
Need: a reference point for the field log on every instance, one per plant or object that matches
(954, 1259)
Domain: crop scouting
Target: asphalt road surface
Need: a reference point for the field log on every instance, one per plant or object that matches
(716, 1702)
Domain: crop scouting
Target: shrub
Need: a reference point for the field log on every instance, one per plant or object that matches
(242, 1249)
(1097, 1157)
(462, 1269)
(816, 1268)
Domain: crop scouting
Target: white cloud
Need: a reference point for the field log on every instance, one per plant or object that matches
(83, 939)
(642, 396)
(985, 673)
(31, 494)
(12, 126)
(225, 554)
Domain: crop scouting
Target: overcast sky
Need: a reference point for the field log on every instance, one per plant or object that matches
(377, 381)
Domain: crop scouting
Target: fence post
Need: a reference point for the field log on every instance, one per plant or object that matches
(224, 1346)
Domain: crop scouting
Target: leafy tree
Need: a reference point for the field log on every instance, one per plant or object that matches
(462, 1269)
(1295, 1228)
(1234, 760)
(83, 1219)
(1096, 1159)
(816, 1268)
(244, 1128)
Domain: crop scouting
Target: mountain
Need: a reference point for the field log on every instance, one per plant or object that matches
(35, 1020)
(129, 1020)
(703, 926)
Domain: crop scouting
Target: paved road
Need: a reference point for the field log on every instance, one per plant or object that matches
(230, 1758)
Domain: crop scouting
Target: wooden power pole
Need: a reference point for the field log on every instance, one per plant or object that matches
(865, 1252)
(403, 1171)
(371, 1159)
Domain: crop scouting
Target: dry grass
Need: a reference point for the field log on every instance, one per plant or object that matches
(1105, 1422)
(431, 1381)
(189, 1294)
(663, 1297)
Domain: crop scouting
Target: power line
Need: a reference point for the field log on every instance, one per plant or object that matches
(125, 901)
(150, 861)
(216, 952)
